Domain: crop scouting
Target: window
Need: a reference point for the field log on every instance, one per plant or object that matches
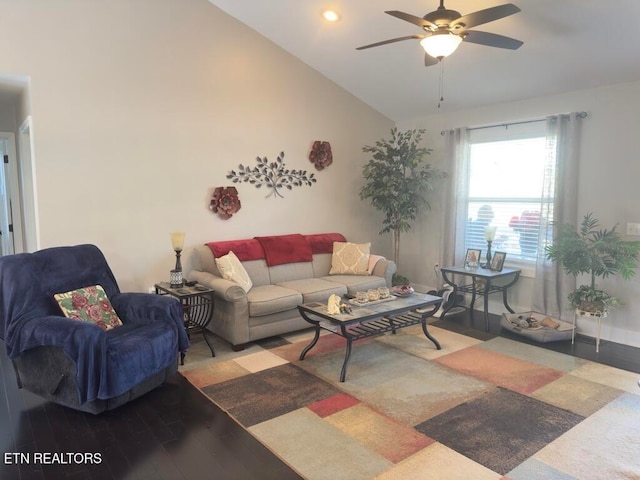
(505, 172)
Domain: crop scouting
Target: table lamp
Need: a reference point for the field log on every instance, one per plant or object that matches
(489, 235)
(177, 242)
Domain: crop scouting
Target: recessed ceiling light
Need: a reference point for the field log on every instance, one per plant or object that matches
(330, 15)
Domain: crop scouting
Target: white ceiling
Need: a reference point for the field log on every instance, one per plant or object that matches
(568, 45)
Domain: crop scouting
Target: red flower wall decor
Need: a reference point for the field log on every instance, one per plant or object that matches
(225, 202)
(321, 155)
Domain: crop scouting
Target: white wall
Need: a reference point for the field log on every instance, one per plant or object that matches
(609, 172)
(140, 109)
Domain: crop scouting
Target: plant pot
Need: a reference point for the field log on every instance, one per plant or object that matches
(592, 300)
(590, 313)
(591, 306)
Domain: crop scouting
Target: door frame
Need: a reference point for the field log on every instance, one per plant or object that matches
(28, 186)
(12, 241)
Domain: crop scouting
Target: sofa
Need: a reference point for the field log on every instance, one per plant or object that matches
(283, 271)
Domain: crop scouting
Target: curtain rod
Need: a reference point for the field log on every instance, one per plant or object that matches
(508, 124)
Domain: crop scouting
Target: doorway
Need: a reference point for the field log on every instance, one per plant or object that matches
(19, 229)
(7, 227)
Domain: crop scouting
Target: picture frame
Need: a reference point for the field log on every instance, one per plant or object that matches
(472, 258)
(497, 262)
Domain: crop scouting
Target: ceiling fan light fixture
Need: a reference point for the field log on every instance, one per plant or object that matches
(330, 15)
(440, 45)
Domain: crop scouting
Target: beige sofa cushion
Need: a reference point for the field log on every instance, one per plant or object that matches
(321, 264)
(267, 299)
(315, 289)
(350, 258)
(290, 271)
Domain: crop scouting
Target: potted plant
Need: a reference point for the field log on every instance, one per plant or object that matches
(595, 252)
(397, 178)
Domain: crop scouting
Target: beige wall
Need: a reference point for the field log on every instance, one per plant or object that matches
(609, 172)
(140, 108)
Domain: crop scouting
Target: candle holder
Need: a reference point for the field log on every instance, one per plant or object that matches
(175, 276)
(489, 235)
(488, 262)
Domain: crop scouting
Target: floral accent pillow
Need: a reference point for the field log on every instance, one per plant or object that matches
(89, 304)
(350, 258)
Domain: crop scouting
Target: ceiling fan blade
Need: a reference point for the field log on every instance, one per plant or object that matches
(421, 22)
(429, 60)
(491, 40)
(393, 40)
(484, 16)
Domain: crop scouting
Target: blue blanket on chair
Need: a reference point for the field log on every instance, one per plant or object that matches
(108, 363)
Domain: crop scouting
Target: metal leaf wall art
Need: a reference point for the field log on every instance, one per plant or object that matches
(272, 175)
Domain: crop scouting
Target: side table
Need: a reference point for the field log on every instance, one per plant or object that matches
(484, 287)
(197, 306)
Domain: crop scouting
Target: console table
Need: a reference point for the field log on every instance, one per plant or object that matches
(482, 283)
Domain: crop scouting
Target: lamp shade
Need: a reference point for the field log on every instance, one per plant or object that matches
(490, 233)
(440, 45)
(177, 241)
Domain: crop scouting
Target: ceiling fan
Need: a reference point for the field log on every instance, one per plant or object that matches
(445, 29)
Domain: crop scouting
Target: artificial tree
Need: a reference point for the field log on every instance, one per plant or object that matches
(397, 179)
(595, 252)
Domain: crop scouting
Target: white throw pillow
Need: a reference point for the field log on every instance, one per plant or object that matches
(350, 258)
(232, 269)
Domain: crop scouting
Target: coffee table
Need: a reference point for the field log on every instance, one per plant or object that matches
(370, 320)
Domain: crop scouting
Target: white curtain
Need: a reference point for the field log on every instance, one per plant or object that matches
(456, 154)
(559, 205)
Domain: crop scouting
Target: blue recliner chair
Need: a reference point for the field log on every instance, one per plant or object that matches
(75, 363)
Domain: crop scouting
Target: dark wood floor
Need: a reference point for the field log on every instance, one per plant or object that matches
(171, 433)
(175, 433)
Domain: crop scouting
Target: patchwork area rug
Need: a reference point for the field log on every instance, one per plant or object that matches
(494, 409)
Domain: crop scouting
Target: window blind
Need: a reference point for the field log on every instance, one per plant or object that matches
(505, 168)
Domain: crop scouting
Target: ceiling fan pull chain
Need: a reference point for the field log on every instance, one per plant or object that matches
(441, 83)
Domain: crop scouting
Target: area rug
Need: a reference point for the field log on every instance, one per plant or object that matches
(477, 409)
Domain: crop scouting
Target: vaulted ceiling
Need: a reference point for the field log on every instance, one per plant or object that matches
(568, 45)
